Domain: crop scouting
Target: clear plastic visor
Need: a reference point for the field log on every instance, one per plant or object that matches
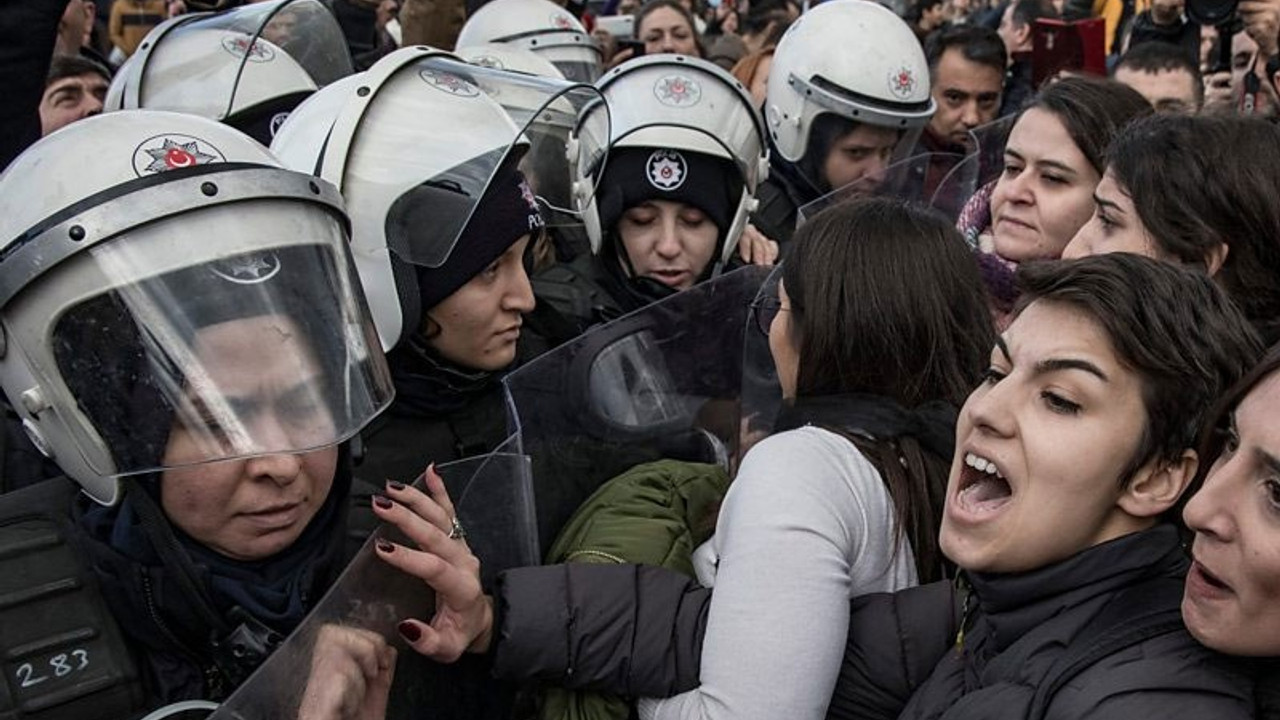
(425, 221)
(577, 62)
(175, 351)
(239, 59)
(942, 181)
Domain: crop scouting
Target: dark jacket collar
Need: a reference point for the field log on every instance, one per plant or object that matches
(1013, 604)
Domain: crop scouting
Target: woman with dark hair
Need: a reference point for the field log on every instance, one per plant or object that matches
(1052, 162)
(846, 499)
(1069, 458)
(1198, 191)
(1232, 597)
(664, 26)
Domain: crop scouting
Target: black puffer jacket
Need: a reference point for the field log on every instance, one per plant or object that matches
(637, 631)
(1018, 638)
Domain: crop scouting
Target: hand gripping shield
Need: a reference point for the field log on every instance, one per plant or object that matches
(493, 497)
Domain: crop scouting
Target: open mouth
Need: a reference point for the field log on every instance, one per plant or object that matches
(1209, 578)
(983, 488)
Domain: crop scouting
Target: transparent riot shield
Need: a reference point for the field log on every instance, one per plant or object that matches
(494, 499)
(939, 180)
(661, 383)
(761, 397)
(988, 141)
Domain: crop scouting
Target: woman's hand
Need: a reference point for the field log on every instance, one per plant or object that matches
(463, 620)
(351, 674)
(1262, 22)
(757, 249)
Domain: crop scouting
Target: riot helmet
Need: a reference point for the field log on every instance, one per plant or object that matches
(821, 86)
(500, 56)
(538, 25)
(681, 129)
(182, 300)
(416, 144)
(247, 67)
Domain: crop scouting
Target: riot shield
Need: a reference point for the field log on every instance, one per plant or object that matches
(940, 180)
(494, 500)
(761, 397)
(988, 141)
(661, 383)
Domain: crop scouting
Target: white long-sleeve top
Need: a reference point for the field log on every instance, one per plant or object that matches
(806, 525)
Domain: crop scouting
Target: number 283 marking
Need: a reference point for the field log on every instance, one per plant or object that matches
(60, 665)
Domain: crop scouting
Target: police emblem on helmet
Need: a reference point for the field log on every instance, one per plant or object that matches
(560, 21)
(173, 152)
(244, 46)
(677, 91)
(667, 169)
(902, 82)
(276, 121)
(448, 82)
(248, 269)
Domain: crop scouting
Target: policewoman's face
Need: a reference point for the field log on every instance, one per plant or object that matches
(1232, 597)
(668, 241)
(259, 388)
(478, 325)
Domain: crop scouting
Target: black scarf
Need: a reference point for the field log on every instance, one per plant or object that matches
(427, 385)
(932, 424)
(269, 597)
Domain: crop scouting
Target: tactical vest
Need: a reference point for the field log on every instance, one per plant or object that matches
(64, 656)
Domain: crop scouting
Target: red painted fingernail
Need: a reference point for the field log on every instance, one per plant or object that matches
(385, 546)
(409, 631)
(395, 485)
(383, 502)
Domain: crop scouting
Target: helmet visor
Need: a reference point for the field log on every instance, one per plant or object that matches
(212, 351)
(424, 223)
(264, 53)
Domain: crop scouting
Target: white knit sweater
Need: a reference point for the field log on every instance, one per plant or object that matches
(806, 525)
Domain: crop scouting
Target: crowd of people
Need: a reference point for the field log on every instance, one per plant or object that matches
(508, 359)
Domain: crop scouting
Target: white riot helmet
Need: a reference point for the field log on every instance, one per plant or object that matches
(681, 129)
(538, 25)
(150, 262)
(415, 144)
(509, 57)
(851, 58)
(246, 67)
